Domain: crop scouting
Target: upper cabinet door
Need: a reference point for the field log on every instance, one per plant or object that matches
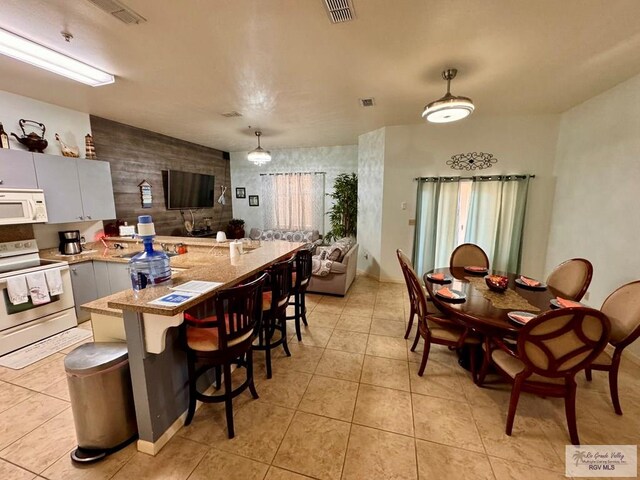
(16, 169)
(58, 177)
(97, 190)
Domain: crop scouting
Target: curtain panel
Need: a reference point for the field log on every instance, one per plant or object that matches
(293, 201)
(491, 216)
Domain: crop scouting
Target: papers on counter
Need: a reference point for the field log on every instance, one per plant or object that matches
(196, 286)
(184, 293)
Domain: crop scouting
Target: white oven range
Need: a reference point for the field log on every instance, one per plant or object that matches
(26, 323)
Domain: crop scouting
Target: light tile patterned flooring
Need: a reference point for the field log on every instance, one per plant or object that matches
(347, 404)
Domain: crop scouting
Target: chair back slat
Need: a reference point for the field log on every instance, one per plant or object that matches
(564, 341)
(303, 266)
(280, 281)
(623, 309)
(234, 312)
(416, 291)
(571, 279)
(468, 254)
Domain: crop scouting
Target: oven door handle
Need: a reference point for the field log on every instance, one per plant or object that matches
(3, 282)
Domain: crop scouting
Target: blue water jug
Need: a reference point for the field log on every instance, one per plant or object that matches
(149, 267)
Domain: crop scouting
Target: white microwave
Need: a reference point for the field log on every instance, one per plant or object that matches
(22, 206)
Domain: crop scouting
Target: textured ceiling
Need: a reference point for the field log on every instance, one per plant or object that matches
(298, 77)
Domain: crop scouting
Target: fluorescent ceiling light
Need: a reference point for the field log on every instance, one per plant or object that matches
(30, 52)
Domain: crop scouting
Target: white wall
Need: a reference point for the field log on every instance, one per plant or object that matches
(371, 170)
(71, 125)
(332, 160)
(597, 202)
(522, 144)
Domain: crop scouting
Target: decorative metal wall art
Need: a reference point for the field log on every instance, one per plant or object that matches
(472, 161)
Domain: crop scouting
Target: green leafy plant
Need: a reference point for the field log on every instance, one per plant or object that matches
(343, 215)
(236, 222)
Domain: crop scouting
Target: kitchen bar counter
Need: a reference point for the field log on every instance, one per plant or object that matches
(157, 358)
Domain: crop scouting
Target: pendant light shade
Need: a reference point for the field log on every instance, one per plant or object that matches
(259, 155)
(449, 108)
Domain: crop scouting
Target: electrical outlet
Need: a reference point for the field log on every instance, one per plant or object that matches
(403, 206)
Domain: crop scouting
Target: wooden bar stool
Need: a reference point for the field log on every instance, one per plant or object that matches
(299, 282)
(218, 333)
(274, 311)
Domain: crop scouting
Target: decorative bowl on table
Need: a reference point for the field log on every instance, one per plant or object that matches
(497, 283)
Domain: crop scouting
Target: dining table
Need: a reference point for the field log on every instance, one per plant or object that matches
(484, 310)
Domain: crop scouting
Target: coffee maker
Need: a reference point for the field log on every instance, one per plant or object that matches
(70, 242)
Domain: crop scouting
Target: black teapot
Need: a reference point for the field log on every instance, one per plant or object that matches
(33, 141)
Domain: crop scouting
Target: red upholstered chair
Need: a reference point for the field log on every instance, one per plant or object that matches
(433, 328)
(571, 278)
(299, 283)
(218, 333)
(623, 309)
(551, 349)
(274, 312)
(468, 254)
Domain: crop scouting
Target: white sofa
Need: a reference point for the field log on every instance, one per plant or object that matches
(340, 277)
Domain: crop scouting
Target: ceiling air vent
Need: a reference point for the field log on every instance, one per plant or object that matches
(119, 11)
(339, 10)
(231, 114)
(367, 102)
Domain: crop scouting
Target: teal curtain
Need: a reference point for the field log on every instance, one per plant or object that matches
(436, 222)
(496, 219)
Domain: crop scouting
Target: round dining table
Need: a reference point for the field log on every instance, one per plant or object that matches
(477, 310)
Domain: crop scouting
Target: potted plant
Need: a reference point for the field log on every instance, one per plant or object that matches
(235, 229)
(343, 215)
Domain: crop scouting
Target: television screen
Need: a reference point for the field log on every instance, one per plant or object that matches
(189, 190)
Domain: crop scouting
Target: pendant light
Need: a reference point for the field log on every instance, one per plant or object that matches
(259, 155)
(448, 108)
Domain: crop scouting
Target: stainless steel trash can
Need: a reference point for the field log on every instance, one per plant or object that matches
(101, 399)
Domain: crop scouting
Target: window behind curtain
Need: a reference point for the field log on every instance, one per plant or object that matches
(294, 201)
(487, 211)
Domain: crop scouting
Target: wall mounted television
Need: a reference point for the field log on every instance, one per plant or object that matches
(187, 190)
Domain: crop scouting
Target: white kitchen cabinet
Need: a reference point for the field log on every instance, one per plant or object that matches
(75, 189)
(118, 276)
(83, 281)
(96, 189)
(16, 169)
(102, 278)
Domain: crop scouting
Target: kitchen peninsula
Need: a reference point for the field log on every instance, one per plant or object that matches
(157, 361)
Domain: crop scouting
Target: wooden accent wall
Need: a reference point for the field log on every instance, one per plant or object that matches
(136, 154)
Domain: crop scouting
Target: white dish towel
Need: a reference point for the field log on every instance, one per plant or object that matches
(17, 290)
(54, 281)
(38, 288)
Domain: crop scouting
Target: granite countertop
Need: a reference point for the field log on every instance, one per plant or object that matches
(213, 265)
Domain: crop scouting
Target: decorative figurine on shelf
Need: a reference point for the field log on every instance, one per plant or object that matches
(67, 151)
(33, 141)
(90, 152)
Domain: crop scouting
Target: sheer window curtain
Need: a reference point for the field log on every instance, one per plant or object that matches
(496, 219)
(494, 212)
(436, 222)
(294, 201)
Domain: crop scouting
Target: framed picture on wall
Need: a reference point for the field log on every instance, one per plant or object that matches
(254, 201)
(241, 192)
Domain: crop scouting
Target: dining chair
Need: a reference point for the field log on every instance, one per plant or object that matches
(218, 333)
(436, 329)
(468, 254)
(274, 311)
(623, 309)
(299, 282)
(571, 278)
(552, 348)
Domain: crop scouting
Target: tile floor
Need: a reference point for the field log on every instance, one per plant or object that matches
(347, 404)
